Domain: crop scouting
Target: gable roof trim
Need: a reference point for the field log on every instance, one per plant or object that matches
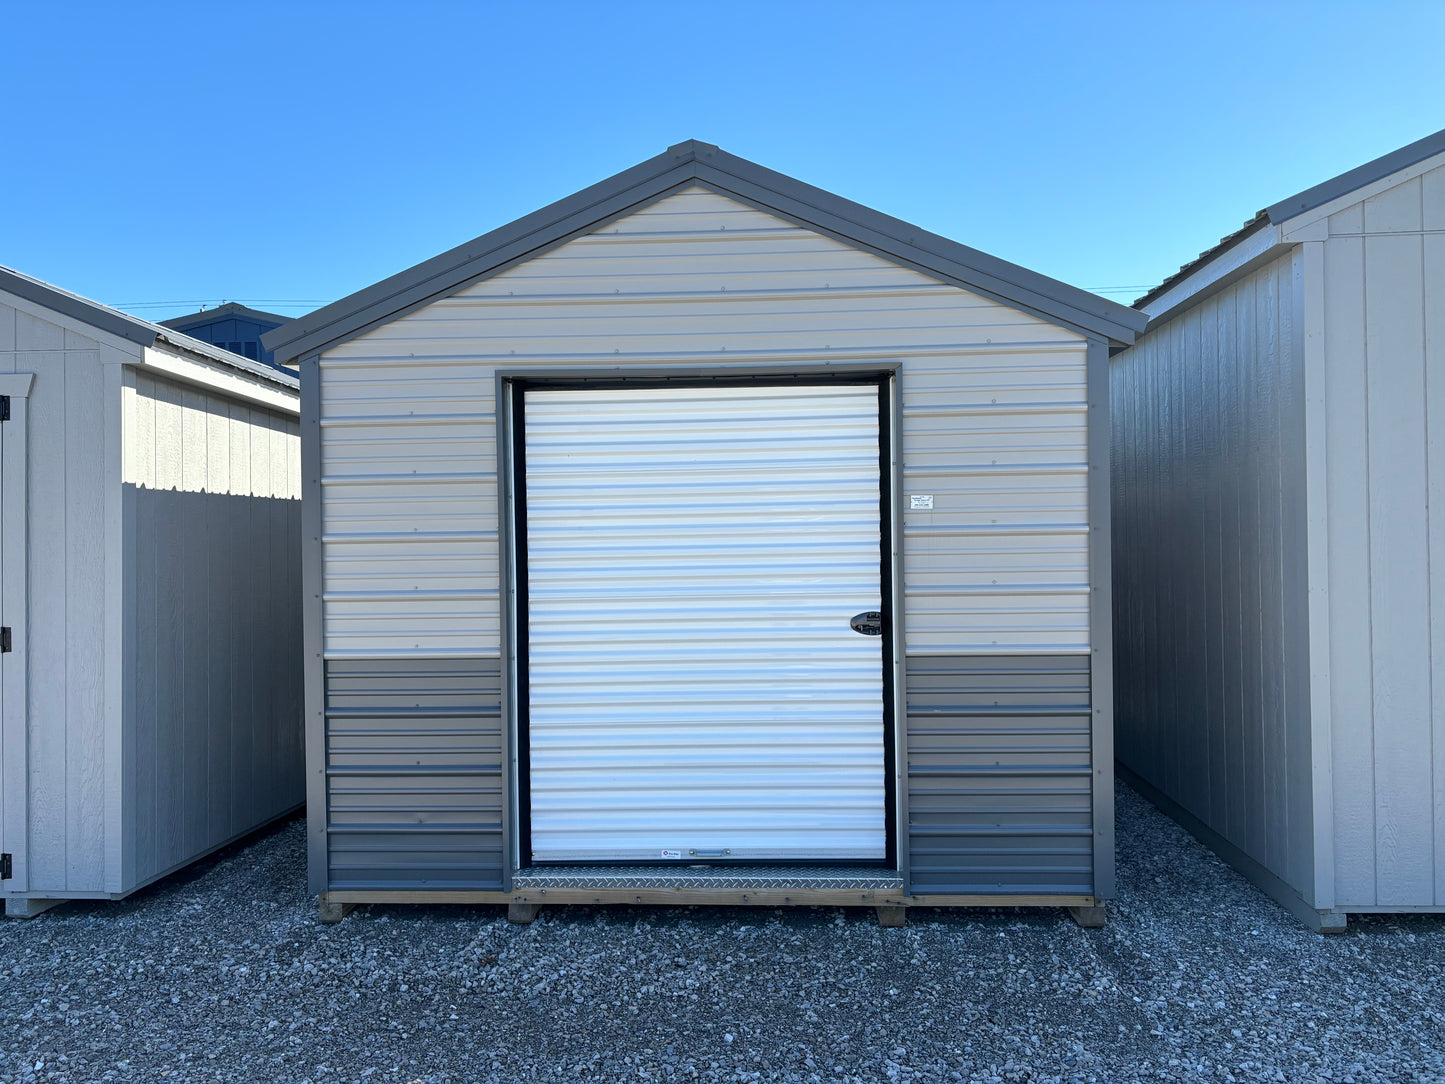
(130, 328)
(1311, 198)
(700, 163)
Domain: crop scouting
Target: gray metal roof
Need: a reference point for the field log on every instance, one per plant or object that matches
(230, 310)
(1308, 200)
(696, 163)
(128, 327)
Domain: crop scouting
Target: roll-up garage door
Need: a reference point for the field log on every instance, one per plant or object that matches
(693, 557)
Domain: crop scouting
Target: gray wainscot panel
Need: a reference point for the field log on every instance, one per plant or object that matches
(414, 773)
(999, 786)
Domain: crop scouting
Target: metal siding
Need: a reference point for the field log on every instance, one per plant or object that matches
(1000, 775)
(1384, 313)
(414, 774)
(1210, 616)
(994, 422)
(693, 558)
(215, 689)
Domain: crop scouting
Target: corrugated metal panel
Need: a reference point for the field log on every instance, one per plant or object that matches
(414, 773)
(1211, 702)
(993, 425)
(999, 774)
(693, 558)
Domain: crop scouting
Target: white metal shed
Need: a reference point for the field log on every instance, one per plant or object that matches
(1279, 453)
(615, 520)
(150, 681)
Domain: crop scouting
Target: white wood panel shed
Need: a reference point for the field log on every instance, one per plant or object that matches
(150, 680)
(707, 537)
(1279, 454)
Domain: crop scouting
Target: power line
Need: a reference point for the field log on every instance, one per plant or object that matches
(212, 301)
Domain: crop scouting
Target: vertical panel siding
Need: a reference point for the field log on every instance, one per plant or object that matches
(999, 774)
(212, 493)
(1384, 320)
(414, 773)
(66, 815)
(993, 402)
(1209, 613)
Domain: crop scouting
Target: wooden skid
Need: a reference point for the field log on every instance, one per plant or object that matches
(21, 907)
(713, 897)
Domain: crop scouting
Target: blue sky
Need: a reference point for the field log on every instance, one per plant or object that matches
(157, 156)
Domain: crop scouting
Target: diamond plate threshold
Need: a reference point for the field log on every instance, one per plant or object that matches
(779, 877)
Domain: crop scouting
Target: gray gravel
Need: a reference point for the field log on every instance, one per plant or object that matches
(222, 974)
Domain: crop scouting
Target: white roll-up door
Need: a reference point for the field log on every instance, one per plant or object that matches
(693, 558)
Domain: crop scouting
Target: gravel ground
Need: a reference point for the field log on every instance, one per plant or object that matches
(221, 973)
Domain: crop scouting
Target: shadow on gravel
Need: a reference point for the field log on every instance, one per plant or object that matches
(222, 973)
(274, 874)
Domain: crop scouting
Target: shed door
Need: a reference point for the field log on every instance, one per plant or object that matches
(693, 557)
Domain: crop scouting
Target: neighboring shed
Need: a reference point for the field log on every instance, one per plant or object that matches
(150, 689)
(591, 501)
(232, 327)
(1279, 523)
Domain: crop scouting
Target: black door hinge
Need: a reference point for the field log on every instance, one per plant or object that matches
(4, 408)
(6, 868)
(4, 640)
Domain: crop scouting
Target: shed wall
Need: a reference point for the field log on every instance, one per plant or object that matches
(65, 812)
(994, 422)
(213, 684)
(994, 426)
(1210, 592)
(1384, 370)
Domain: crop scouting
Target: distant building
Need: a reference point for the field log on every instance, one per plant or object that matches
(232, 327)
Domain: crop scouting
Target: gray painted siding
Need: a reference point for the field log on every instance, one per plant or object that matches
(214, 661)
(1383, 326)
(1211, 696)
(1000, 774)
(414, 773)
(65, 821)
(80, 809)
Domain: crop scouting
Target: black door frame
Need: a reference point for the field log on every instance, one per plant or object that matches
(519, 384)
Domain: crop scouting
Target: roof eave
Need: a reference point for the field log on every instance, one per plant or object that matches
(1276, 214)
(77, 308)
(702, 163)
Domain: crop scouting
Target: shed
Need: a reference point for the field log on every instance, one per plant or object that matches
(1279, 453)
(706, 537)
(150, 681)
(231, 326)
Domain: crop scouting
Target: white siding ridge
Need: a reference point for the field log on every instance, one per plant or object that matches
(672, 357)
(392, 361)
(214, 378)
(721, 296)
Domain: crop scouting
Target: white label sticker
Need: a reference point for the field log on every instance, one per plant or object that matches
(666, 853)
(920, 502)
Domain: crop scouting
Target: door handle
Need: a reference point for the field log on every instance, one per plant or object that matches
(867, 624)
